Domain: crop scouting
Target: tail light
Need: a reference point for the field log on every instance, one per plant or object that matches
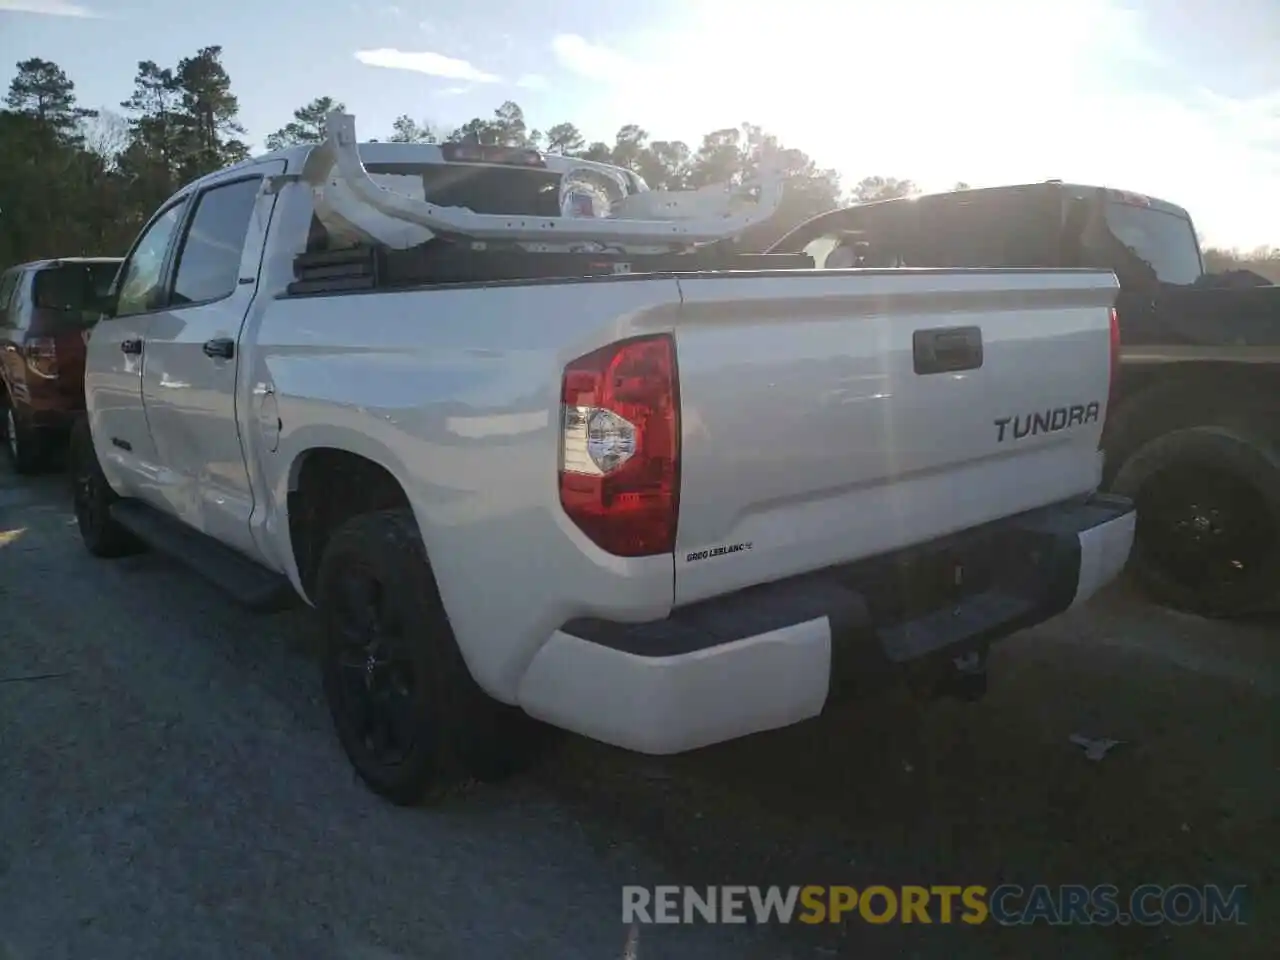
(1113, 387)
(620, 446)
(1113, 380)
(42, 357)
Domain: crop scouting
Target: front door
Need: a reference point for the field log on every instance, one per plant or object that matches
(192, 354)
(113, 368)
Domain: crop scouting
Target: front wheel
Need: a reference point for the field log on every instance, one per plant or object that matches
(408, 713)
(92, 497)
(1208, 528)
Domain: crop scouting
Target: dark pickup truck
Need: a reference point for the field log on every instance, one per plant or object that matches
(1195, 434)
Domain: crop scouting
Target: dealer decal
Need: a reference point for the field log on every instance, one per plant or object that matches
(717, 551)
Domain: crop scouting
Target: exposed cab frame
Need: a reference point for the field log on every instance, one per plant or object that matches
(713, 213)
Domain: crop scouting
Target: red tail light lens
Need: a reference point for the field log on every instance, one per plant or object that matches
(620, 446)
(1113, 387)
(42, 357)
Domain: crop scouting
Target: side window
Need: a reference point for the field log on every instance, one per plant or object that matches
(208, 265)
(140, 277)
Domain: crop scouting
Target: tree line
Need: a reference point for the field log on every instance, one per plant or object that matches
(78, 181)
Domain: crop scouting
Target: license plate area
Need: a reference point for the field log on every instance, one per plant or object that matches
(931, 578)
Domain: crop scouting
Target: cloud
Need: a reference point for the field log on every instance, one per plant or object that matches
(49, 8)
(432, 64)
(591, 59)
(532, 81)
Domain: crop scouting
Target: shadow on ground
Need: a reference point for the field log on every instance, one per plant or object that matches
(875, 793)
(887, 793)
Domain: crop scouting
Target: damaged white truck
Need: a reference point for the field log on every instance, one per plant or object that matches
(539, 445)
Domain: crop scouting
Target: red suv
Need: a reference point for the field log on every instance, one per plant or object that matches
(47, 309)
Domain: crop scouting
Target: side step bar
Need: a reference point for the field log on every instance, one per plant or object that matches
(244, 581)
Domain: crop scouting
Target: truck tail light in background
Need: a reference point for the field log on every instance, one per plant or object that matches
(620, 446)
(42, 357)
(1114, 385)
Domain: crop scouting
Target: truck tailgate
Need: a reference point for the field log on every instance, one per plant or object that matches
(814, 433)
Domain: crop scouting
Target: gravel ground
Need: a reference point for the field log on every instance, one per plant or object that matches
(171, 788)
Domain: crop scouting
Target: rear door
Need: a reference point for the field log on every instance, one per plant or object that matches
(113, 369)
(190, 370)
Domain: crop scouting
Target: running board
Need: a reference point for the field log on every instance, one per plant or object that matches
(249, 584)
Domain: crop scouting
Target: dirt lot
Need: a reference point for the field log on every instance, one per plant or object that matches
(170, 788)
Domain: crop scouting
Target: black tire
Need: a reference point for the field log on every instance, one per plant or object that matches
(410, 717)
(92, 498)
(1208, 534)
(25, 447)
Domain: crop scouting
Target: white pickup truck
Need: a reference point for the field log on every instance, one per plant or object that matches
(662, 499)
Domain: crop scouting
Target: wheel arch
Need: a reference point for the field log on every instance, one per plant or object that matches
(1160, 398)
(331, 477)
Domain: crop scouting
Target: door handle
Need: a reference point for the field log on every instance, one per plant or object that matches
(132, 347)
(947, 349)
(222, 348)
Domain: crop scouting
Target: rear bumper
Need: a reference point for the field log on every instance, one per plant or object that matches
(51, 406)
(776, 654)
(54, 421)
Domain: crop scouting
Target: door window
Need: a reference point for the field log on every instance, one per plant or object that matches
(209, 261)
(142, 273)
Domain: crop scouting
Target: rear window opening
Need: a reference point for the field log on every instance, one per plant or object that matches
(72, 288)
(1165, 241)
(339, 259)
(519, 191)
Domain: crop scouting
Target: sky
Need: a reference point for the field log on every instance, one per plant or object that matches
(1179, 99)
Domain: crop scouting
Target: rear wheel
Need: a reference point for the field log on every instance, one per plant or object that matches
(406, 710)
(1208, 529)
(92, 497)
(23, 444)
